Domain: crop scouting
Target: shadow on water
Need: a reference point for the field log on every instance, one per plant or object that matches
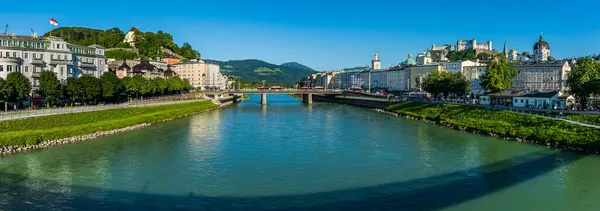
(430, 193)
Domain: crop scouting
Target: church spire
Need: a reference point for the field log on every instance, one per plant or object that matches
(505, 52)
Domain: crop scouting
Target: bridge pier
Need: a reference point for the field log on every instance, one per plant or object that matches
(263, 99)
(307, 98)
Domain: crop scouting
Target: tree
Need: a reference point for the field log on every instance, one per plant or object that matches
(50, 87)
(499, 75)
(174, 84)
(584, 79)
(460, 85)
(4, 92)
(120, 54)
(74, 90)
(92, 89)
(112, 87)
(19, 87)
(160, 85)
(436, 83)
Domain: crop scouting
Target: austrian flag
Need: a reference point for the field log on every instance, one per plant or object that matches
(53, 22)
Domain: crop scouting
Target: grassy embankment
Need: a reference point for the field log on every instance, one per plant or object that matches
(588, 118)
(504, 123)
(31, 131)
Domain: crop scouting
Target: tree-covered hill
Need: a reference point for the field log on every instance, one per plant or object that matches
(253, 70)
(297, 65)
(148, 44)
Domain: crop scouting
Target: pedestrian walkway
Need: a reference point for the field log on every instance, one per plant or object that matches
(21, 114)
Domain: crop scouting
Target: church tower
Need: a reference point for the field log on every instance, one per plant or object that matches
(376, 63)
(505, 52)
(541, 50)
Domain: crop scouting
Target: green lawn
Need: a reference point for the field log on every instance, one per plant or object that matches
(34, 130)
(504, 123)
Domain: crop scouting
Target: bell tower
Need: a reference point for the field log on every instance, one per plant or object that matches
(376, 63)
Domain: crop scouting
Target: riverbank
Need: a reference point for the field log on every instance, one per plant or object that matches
(46, 131)
(504, 124)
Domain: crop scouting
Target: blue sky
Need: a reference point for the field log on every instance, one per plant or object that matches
(329, 35)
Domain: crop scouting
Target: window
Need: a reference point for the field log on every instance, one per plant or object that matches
(51, 56)
(34, 56)
(26, 55)
(9, 68)
(15, 54)
(62, 71)
(41, 56)
(7, 54)
(26, 68)
(1, 68)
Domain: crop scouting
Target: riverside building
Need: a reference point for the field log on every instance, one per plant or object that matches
(30, 55)
(201, 74)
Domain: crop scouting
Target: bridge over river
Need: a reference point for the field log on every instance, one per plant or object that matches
(306, 93)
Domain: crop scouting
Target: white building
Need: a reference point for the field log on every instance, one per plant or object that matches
(396, 80)
(130, 36)
(546, 76)
(379, 80)
(457, 66)
(472, 44)
(376, 63)
(424, 58)
(541, 50)
(31, 54)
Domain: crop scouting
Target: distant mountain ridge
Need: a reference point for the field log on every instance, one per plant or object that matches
(297, 65)
(353, 68)
(254, 70)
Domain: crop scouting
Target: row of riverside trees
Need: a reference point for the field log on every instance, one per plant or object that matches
(445, 84)
(88, 89)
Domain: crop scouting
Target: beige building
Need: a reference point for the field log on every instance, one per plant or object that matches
(201, 75)
(414, 75)
(550, 76)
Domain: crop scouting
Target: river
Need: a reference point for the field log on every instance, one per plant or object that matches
(291, 156)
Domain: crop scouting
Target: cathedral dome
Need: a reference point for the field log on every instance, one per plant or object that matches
(541, 44)
(410, 60)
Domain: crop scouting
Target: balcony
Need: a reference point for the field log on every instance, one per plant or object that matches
(87, 65)
(37, 61)
(60, 61)
(35, 74)
(70, 75)
(11, 59)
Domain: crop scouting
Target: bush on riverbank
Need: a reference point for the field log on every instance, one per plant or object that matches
(504, 123)
(34, 130)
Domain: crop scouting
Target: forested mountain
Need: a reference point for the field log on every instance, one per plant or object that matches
(147, 44)
(253, 70)
(297, 65)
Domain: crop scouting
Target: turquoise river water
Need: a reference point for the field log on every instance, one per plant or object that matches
(290, 156)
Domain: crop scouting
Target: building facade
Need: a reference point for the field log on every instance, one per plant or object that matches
(201, 75)
(414, 75)
(547, 76)
(29, 55)
(396, 81)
